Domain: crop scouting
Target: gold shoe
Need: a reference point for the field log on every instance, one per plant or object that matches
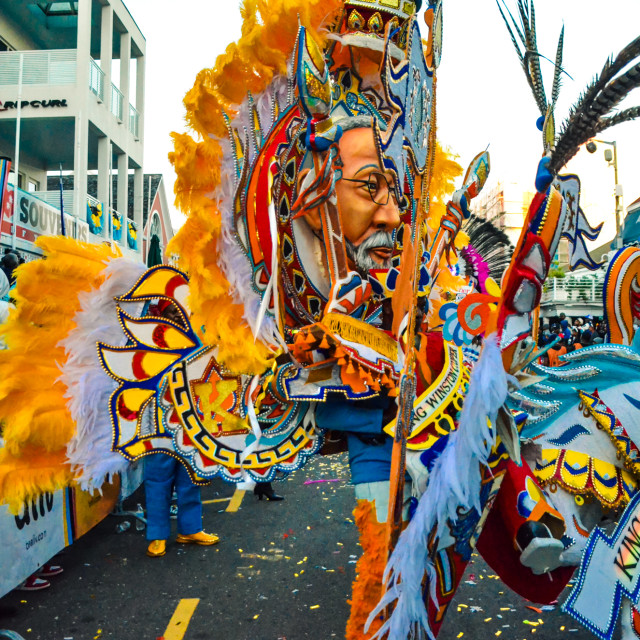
(201, 537)
(157, 548)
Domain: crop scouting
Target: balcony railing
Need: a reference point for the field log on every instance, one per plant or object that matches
(96, 79)
(117, 103)
(586, 289)
(134, 122)
(53, 198)
(55, 66)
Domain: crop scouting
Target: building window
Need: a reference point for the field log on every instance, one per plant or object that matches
(59, 8)
(5, 46)
(33, 185)
(12, 179)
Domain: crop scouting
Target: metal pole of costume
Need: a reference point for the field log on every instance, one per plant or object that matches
(407, 391)
(405, 297)
(618, 195)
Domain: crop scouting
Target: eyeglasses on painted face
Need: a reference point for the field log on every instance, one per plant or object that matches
(379, 189)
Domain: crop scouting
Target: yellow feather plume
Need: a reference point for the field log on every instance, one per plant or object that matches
(35, 472)
(36, 423)
(268, 35)
(445, 172)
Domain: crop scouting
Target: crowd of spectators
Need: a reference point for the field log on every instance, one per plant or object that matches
(568, 335)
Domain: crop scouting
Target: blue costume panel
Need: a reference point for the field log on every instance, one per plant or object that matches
(369, 447)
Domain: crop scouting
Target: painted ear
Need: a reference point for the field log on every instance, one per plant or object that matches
(312, 216)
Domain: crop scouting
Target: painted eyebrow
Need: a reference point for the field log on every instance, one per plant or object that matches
(367, 166)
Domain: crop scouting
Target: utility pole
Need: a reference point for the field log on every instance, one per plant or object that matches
(611, 157)
(16, 168)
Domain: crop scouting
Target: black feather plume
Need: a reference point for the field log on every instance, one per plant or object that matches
(491, 243)
(535, 73)
(557, 74)
(528, 54)
(508, 25)
(619, 118)
(590, 116)
(609, 70)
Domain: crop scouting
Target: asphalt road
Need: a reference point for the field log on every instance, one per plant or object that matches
(282, 571)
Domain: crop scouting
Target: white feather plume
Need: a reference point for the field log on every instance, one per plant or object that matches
(88, 385)
(454, 482)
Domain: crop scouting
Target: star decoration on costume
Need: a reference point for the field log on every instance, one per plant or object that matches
(218, 399)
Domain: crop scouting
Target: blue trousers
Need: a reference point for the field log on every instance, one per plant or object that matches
(161, 474)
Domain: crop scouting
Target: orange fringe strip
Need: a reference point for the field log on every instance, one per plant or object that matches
(367, 587)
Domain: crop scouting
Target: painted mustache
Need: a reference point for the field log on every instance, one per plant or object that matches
(361, 254)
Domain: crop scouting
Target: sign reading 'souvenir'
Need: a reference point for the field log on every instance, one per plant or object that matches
(37, 218)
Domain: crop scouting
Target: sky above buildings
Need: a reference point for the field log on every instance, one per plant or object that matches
(483, 96)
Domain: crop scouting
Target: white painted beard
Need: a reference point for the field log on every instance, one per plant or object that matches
(360, 254)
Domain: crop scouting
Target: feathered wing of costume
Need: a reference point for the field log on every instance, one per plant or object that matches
(38, 423)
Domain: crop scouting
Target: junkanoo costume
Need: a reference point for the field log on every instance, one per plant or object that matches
(286, 330)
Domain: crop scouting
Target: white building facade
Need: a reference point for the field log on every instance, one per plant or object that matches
(72, 77)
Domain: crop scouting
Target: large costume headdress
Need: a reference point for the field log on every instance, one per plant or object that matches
(263, 149)
(222, 364)
(268, 264)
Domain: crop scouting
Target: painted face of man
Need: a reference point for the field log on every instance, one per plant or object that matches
(366, 197)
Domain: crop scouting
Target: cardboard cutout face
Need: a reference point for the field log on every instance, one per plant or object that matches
(366, 198)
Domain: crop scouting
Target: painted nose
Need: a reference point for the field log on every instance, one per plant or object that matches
(387, 217)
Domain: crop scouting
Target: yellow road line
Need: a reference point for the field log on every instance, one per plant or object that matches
(236, 501)
(216, 500)
(180, 619)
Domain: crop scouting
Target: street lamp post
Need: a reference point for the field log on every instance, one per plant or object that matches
(612, 159)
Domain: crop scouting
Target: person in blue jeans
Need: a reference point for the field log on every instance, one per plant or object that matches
(161, 474)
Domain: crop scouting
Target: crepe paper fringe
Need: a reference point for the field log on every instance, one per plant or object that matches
(36, 422)
(88, 387)
(369, 570)
(455, 482)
